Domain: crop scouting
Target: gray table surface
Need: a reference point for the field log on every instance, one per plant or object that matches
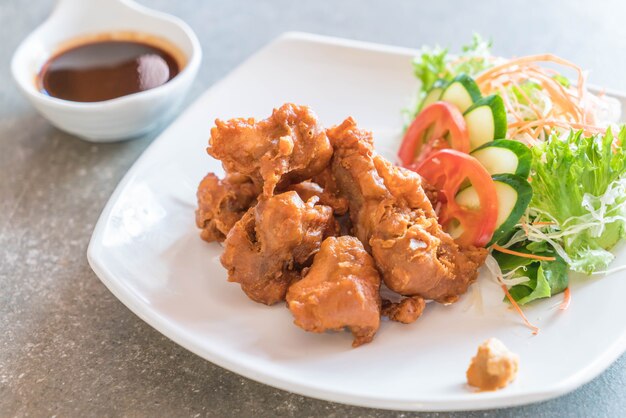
(68, 347)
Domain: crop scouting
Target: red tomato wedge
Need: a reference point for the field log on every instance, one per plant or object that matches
(438, 126)
(447, 170)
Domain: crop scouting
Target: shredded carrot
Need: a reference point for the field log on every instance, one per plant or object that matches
(531, 59)
(567, 299)
(557, 93)
(530, 102)
(523, 255)
(525, 125)
(544, 223)
(536, 133)
(519, 310)
(575, 125)
(563, 106)
(507, 103)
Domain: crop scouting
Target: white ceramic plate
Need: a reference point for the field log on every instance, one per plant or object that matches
(147, 251)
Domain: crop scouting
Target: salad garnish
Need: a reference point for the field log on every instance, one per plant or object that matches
(554, 156)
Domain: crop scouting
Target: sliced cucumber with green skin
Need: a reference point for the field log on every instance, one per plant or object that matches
(485, 120)
(504, 156)
(514, 194)
(434, 93)
(462, 92)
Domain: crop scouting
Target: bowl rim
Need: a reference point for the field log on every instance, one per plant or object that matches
(189, 70)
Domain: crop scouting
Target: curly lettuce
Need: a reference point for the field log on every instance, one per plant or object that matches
(432, 64)
(577, 214)
(579, 185)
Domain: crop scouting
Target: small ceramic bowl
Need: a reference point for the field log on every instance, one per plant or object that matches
(124, 117)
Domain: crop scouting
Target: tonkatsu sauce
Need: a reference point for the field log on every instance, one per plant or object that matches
(106, 69)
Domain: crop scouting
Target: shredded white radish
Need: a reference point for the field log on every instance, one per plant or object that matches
(494, 268)
(609, 271)
(510, 281)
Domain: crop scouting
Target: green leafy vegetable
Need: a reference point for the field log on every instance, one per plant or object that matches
(536, 287)
(579, 183)
(527, 92)
(562, 80)
(544, 278)
(555, 273)
(578, 210)
(432, 64)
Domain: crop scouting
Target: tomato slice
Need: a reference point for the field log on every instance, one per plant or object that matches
(447, 170)
(438, 126)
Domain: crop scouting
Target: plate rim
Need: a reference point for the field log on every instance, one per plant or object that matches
(491, 400)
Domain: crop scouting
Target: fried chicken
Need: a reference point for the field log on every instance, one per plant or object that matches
(221, 203)
(341, 289)
(406, 311)
(289, 187)
(395, 220)
(309, 189)
(288, 147)
(326, 179)
(266, 250)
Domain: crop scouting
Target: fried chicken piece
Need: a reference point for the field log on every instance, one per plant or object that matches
(395, 221)
(288, 147)
(405, 311)
(326, 179)
(221, 203)
(309, 189)
(266, 250)
(410, 227)
(341, 289)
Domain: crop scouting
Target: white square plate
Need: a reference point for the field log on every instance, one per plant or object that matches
(146, 250)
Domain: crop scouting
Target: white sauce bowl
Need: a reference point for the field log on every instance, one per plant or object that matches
(117, 119)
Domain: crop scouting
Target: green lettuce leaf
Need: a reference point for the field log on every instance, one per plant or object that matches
(432, 64)
(579, 183)
(536, 288)
(556, 274)
(546, 278)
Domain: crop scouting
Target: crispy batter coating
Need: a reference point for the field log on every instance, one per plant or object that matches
(288, 183)
(409, 233)
(395, 220)
(326, 179)
(221, 203)
(405, 311)
(309, 189)
(341, 289)
(266, 250)
(288, 147)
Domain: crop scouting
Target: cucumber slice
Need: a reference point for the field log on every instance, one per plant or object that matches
(514, 194)
(434, 94)
(468, 198)
(461, 92)
(504, 156)
(486, 120)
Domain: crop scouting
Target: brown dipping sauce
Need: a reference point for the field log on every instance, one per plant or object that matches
(106, 69)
